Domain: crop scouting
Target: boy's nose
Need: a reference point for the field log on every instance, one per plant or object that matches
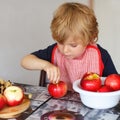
(65, 50)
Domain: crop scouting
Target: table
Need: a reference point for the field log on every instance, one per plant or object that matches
(42, 102)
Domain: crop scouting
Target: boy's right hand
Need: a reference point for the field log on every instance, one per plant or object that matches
(53, 73)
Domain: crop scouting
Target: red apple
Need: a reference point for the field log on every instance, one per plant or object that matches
(91, 82)
(14, 95)
(2, 101)
(57, 90)
(113, 82)
(104, 88)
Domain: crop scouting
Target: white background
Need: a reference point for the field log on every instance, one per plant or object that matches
(107, 12)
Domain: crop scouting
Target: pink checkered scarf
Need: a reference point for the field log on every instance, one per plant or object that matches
(73, 69)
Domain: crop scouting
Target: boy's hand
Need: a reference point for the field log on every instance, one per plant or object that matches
(53, 73)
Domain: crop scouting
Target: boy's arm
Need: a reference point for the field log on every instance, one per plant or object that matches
(38, 60)
(109, 67)
(41, 60)
(32, 62)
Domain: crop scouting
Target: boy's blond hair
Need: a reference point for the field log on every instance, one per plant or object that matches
(74, 19)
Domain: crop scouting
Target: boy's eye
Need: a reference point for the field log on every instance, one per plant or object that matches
(73, 45)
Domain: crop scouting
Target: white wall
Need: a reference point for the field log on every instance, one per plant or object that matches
(107, 12)
(24, 28)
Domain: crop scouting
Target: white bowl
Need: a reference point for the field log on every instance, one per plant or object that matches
(97, 100)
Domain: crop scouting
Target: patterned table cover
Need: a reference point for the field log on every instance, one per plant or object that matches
(42, 102)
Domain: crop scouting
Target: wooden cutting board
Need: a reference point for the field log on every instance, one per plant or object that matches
(12, 112)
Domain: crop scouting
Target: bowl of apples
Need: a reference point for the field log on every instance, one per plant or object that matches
(98, 92)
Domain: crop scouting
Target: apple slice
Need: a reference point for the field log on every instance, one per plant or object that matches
(14, 95)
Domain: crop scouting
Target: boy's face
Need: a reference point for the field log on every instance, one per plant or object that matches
(71, 48)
